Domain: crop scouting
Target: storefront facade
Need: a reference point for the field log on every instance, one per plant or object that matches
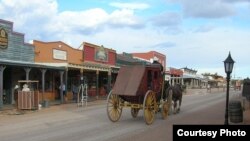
(93, 64)
(100, 67)
(61, 55)
(17, 63)
(192, 79)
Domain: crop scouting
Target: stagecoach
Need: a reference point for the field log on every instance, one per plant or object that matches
(139, 87)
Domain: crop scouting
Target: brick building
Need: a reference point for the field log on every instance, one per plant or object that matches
(151, 56)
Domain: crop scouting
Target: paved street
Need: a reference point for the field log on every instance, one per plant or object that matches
(69, 122)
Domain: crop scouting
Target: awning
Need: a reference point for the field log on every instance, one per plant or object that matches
(29, 64)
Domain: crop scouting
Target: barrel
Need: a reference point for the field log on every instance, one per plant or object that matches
(45, 103)
(235, 111)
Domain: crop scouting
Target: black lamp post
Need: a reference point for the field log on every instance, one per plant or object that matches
(228, 63)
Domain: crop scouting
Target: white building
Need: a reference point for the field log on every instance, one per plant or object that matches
(193, 80)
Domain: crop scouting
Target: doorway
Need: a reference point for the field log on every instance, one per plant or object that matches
(7, 83)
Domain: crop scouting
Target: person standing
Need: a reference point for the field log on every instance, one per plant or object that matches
(208, 88)
(74, 91)
(16, 95)
(62, 87)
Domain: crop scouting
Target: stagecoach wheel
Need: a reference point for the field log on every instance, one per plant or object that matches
(114, 110)
(134, 112)
(149, 107)
(164, 110)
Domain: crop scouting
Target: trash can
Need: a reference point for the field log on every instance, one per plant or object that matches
(235, 111)
(45, 103)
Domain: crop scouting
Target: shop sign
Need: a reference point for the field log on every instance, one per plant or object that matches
(59, 54)
(3, 38)
(101, 54)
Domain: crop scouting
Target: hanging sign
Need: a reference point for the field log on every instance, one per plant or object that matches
(101, 54)
(59, 54)
(3, 38)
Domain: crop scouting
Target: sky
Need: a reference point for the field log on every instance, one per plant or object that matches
(196, 34)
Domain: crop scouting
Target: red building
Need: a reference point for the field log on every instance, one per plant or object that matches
(98, 54)
(150, 56)
(99, 63)
(174, 76)
(176, 72)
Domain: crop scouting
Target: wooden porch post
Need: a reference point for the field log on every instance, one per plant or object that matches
(27, 70)
(97, 84)
(43, 84)
(1, 86)
(109, 81)
(61, 84)
(66, 83)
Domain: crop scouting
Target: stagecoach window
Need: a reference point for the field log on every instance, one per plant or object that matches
(149, 79)
(155, 75)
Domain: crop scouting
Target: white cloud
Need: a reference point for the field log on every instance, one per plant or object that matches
(41, 20)
(26, 11)
(124, 17)
(82, 22)
(88, 18)
(29, 17)
(132, 6)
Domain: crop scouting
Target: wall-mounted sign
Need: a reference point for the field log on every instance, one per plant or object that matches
(101, 54)
(59, 54)
(3, 38)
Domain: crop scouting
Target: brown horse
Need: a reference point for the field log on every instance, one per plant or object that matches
(176, 93)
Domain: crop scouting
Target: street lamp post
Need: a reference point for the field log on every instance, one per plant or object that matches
(228, 64)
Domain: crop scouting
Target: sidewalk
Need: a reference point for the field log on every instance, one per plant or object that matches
(203, 91)
(52, 107)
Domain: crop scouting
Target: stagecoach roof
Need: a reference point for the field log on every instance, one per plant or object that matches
(128, 80)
